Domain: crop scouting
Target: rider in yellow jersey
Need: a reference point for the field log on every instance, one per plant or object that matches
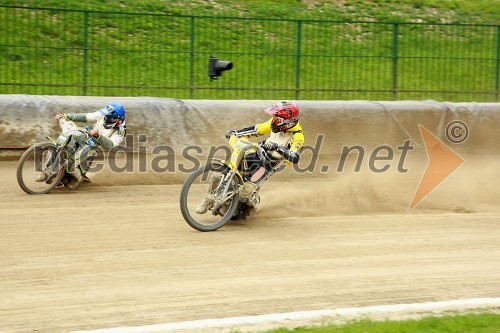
(285, 142)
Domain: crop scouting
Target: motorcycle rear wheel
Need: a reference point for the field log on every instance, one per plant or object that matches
(30, 166)
(194, 190)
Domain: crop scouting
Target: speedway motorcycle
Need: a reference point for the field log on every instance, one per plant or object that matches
(229, 185)
(51, 160)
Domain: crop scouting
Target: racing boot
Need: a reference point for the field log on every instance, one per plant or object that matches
(42, 176)
(207, 202)
(204, 206)
(251, 208)
(85, 178)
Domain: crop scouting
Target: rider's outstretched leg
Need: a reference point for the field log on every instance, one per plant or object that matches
(42, 176)
(44, 169)
(207, 201)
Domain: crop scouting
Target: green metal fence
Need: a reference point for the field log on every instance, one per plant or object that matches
(85, 52)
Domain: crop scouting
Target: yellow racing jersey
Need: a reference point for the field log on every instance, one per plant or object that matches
(288, 143)
(293, 139)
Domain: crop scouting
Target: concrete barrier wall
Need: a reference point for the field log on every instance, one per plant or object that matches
(26, 119)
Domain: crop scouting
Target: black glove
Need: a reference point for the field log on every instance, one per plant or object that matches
(229, 133)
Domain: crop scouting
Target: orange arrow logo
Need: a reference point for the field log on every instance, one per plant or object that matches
(442, 162)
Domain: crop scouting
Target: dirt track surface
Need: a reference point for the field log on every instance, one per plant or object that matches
(109, 256)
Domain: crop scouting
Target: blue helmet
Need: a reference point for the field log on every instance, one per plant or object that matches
(113, 114)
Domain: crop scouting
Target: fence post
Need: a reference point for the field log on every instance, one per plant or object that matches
(497, 74)
(395, 61)
(191, 61)
(297, 65)
(85, 52)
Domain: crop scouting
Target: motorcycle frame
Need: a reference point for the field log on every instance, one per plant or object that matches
(240, 146)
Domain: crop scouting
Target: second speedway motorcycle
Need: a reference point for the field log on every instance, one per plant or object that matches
(52, 160)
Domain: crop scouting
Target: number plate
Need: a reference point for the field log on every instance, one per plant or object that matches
(91, 142)
(243, 144)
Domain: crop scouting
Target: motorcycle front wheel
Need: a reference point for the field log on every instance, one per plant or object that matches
(196, 188)
(39, 170)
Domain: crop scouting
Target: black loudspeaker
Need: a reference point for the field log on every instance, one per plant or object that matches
(216, 67)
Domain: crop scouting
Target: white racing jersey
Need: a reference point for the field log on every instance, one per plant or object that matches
(115, 134)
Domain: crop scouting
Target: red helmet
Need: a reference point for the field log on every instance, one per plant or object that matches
(285, 116)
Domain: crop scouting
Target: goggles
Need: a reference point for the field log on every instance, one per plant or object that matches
(278, 121)
(110, 120)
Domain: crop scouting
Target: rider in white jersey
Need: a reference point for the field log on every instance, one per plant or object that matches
(108, 128)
